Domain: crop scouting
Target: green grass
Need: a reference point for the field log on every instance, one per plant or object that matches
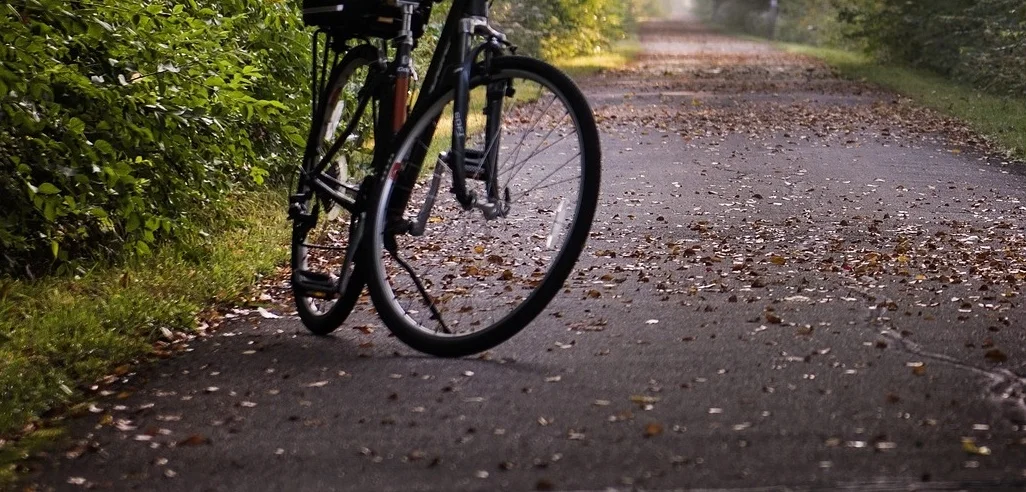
(27, 446)
(620, 56)
(1003, 119)
(59, 334)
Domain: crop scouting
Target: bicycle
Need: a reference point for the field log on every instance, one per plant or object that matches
(450, 272)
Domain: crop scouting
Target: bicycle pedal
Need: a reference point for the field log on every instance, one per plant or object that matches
(296, 213)
(398, 226)
(313, 284)
(473, 164)
(302, 221)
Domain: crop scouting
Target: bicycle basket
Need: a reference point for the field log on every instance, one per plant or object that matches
(361, 18)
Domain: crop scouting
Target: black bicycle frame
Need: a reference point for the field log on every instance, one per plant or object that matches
(453, 55)
(450, 56)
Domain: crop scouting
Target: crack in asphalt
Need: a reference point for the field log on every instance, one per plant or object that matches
(1006, 389)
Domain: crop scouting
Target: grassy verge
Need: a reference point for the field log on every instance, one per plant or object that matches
(59, 334)
(1003, 119)
(581, 66)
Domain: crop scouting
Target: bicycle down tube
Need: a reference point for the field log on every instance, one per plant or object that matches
(453, 53)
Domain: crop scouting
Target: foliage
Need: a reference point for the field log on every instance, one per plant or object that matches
(60, 333)
(1001, 118)
(122, 123)
(567, 28)
(978, 41)
(815, 22)
(981, 42)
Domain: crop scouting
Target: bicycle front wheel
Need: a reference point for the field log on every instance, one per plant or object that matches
(451, 281)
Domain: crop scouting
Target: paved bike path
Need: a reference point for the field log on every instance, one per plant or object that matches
(793, 281)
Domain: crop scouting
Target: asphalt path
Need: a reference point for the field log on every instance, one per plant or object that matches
(794, 282)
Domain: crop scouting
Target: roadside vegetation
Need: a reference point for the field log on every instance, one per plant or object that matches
(963, 57)
(59, 334)
(1001, 118)
(145, 152)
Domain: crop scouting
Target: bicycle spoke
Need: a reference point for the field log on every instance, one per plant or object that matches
(536, 152)
(471, 278)
(436, 314)
(530, 130)
(550, 185)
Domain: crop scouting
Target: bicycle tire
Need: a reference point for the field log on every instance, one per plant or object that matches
(322, 312)
(531, 291)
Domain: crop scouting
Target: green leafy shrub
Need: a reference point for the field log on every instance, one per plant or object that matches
(124, 123)
(565, 28)
(982, 42)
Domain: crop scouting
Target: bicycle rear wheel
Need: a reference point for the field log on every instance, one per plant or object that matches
(468, 282)
(325, 281)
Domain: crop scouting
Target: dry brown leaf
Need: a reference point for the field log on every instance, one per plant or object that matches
(996, 356)
(194, 440)
(653, 429)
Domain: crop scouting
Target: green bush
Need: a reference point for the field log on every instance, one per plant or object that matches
(982, 42)
(979, 42)
(125, 123)
(565, 28)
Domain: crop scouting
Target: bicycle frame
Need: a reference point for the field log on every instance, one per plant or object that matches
(390, 86)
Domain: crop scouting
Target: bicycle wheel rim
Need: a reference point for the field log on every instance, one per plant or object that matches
(324, 248)
(513, 255)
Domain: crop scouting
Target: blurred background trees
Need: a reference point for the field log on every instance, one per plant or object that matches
(564, 28)
(981, 42)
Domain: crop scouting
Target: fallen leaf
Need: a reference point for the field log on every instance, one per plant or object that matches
(996, 356)
(124, 425)
(76, 451)
(919, 370)
(653, 429)
(645, 400)
(969, 446)
(194, 440)
(416, 455)
(267, 314)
